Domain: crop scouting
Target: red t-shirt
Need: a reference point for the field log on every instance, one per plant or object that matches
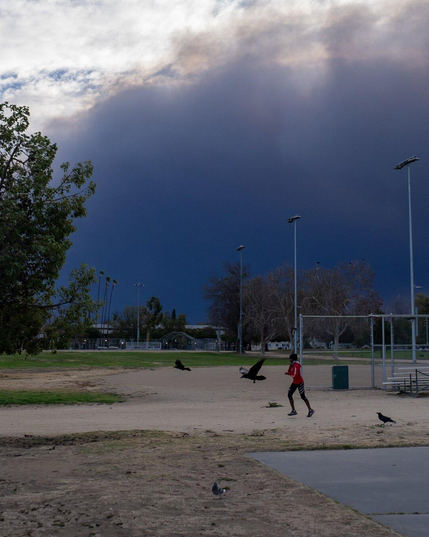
(295, 372)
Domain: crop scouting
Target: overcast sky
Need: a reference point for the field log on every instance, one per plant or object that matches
(209, 123)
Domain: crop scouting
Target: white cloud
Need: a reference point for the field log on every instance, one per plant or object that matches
(60, 56)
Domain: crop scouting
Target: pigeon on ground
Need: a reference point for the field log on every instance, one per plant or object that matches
(252, 373)
(180, 366)
(217, 491)
(384, 419)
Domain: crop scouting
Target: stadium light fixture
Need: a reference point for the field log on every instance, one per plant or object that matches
(401, 165)
(406, 162)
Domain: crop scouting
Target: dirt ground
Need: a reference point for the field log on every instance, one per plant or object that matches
(145, 467)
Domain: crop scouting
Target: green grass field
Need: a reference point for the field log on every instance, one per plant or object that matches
(126, 359)
(19, 397)
(357, 353)
(141, 359)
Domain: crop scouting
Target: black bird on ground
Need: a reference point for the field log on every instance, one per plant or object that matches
(180, 366)
(384, 419)
(217, 491)
(252, 373)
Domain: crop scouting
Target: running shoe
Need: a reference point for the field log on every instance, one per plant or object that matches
(310, 413)
(293, 413)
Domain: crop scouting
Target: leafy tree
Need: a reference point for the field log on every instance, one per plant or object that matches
(92, 332)
(125, 323)
(203, 333)
(422, 305)
(172, 323)
(36, 220)
(180, 322)
(70, 317)
(152, 315)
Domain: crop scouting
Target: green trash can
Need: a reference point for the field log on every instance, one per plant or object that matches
(340, 377)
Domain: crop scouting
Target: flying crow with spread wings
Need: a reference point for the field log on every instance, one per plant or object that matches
(384, 419)
(180, 366)
(252, 373)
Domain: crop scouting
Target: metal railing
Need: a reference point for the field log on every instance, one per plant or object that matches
(144, 345)
(412, 383)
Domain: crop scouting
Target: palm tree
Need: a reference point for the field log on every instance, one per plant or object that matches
(100, 275)
(104, 304)
(110, 300)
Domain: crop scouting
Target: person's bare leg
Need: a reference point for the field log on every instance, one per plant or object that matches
(310, 410)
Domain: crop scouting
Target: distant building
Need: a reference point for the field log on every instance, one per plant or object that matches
(273, 346)
(185, 342)
(202, 326)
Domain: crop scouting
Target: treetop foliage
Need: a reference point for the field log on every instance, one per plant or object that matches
(37, 215)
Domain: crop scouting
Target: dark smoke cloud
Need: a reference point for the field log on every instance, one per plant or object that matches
(188, 171)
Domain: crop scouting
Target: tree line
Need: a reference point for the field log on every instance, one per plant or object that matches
(332, 295)
(152, 321)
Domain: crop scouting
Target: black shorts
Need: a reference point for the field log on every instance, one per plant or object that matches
(300, 387)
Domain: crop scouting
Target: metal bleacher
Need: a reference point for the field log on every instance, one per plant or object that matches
(412, 380)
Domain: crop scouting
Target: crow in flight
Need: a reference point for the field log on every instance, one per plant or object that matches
(252, 373)
(384, 419)
(180, 366)
(217, 491)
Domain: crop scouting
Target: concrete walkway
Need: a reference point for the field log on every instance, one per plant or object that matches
(391, 485)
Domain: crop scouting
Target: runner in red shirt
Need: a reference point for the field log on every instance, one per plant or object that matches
(297, 383)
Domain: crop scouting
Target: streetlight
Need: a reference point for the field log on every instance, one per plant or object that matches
(240, 324)
(407, 163)
(138, 285)
(295, 333)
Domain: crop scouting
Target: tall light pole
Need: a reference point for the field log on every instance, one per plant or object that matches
(293, 220)
(240, 324)
(138, 285)
(416, 311)
(407, 163)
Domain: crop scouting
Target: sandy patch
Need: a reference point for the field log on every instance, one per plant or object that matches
(214, 399)
(42, 379)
